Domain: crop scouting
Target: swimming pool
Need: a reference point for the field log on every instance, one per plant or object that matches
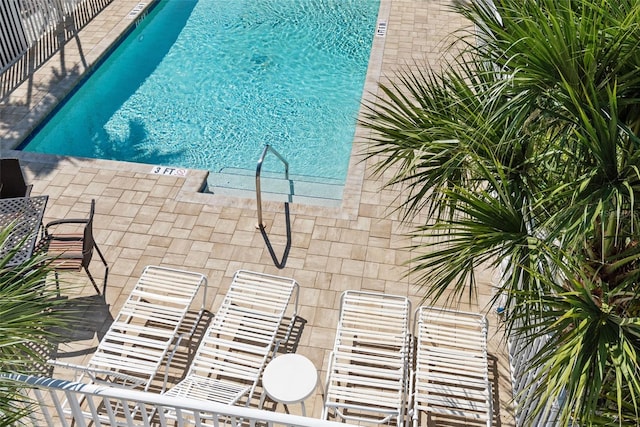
(206, 84)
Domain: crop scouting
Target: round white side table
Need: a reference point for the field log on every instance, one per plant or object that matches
(289, 378)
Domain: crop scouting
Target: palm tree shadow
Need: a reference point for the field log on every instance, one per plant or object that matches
(83, 318)
(52, 41)
(132, 147)
(86, 317)
(285, 255)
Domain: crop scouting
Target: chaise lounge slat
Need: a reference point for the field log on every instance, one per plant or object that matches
(368, 367)
(145, 329)
(451, 383)
(230, 359)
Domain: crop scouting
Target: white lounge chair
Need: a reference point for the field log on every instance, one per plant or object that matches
(236, 346)
(451, 370)
(138, 341)
(368, 370)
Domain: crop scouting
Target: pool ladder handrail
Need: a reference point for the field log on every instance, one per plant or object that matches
(267, 148)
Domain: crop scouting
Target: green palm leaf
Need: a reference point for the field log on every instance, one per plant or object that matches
(28, 325)
(523, 154)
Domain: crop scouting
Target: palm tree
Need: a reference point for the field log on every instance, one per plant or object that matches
(524, 154)
(28, 325)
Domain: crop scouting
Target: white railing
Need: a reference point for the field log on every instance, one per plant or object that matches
(24, 22)
(13, 40)
(524, 379)
(66, 403)
(32, 31)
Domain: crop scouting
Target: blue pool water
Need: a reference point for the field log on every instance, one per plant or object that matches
(206, 84)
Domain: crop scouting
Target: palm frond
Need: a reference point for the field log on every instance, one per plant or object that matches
(522, 153)
(29, 325)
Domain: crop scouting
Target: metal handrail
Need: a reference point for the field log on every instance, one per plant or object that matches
(267, 148)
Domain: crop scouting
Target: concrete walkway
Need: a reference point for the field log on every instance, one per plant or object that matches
(143, 218)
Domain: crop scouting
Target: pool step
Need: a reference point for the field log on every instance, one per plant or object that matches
(303, 189)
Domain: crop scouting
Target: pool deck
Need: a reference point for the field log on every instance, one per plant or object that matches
(144, 218)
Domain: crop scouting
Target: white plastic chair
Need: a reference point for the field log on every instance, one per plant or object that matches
(236, 346)
(368, 369)
(451, 369)
(138, 341)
